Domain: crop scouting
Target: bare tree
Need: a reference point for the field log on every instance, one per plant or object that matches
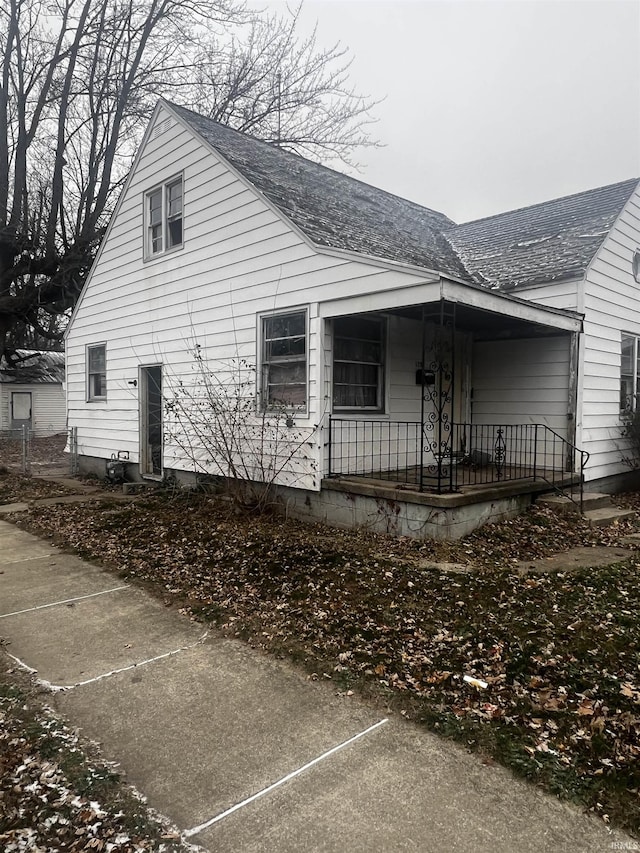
(268, 82)
(216, 425)
(79, 78)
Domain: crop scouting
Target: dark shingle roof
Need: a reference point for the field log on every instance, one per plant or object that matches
(33, 366)
(333, 209)
(542, 243)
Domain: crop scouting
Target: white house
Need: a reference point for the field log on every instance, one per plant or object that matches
(433, 375)
(32, 393)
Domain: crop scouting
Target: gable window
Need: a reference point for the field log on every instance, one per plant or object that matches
(284, 360)
(629, 373)
(163, 218)
(358, 363)
(97, 372)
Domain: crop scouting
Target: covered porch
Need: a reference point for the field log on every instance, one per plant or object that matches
(478, 397)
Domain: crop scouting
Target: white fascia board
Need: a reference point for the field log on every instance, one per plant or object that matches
(452, 291)
(116, 209)
(511, 306)
(381, 300)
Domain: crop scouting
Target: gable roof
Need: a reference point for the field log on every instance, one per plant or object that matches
(34, 366)
(332, 209)
(542, 243)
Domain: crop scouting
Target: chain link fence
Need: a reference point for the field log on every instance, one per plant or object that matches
(24, 452)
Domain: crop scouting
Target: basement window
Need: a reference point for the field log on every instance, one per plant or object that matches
(163, 218)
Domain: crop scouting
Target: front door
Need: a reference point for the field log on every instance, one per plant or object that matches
(151, 421)
(21, 409)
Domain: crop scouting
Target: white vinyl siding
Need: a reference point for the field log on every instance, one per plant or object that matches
(612, 307)
(240, 260)
(522, 382)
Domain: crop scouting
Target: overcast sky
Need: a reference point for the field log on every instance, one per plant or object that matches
(492, 104)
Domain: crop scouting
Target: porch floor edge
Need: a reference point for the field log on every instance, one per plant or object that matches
(465, 497)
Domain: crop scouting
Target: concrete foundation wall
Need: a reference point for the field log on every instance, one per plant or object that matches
(399, 517)
(382, 512)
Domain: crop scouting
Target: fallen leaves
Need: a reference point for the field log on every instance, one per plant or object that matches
(541, 670)
(48, 787)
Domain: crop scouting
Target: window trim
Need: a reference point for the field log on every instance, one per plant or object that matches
(262, 402)
(91, 397)
(635, 376)
(165, 218)
(380, 408)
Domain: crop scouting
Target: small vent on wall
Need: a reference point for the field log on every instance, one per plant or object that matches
(161, 127)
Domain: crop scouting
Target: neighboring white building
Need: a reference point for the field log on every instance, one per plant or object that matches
(32, 393)
(440, 375)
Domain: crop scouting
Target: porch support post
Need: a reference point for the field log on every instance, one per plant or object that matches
(572, 403)
(422, 392)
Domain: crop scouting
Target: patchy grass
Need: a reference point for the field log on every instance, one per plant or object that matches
(558, 653)
(56, 793)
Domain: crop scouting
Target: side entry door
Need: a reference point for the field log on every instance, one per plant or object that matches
(151, 421)
(21, 409)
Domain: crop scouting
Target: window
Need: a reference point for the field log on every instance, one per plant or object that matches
(163, 216)
(635, 265)
(358, 363)
(629, 373)
(97, 372)
(284, 360)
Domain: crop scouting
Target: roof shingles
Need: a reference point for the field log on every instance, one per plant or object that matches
(541, 243)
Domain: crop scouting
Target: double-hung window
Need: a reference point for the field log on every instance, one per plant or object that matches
(358, 363)
(163, 218)
(97, 372)
(629, 373)
(284, 360)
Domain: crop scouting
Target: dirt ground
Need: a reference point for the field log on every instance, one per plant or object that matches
(43, 453)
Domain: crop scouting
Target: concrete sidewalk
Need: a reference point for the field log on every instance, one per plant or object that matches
(201, 725)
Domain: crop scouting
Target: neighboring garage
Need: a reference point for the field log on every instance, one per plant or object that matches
(32, 393)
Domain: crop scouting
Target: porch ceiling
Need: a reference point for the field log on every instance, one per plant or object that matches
(489, 314)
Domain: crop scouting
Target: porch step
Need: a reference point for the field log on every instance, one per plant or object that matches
(604, 516)
(563, 504)
(597, 509)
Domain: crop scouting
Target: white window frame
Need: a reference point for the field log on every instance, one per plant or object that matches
(629, 401)
(380, 365)
(269, 361)
(160, 230)
(92, 397)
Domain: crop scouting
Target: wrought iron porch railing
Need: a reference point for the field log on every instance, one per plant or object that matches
(444, 456)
